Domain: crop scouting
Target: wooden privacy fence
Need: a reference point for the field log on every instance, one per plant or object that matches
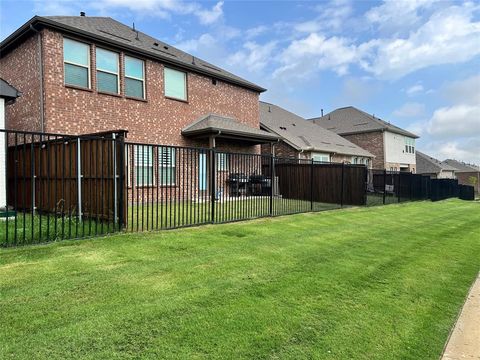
(76, 176)
(342, 184)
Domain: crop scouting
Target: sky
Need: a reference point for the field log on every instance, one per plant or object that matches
(414, 63)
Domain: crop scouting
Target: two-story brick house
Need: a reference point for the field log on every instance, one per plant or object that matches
(80, 74)
(393, 147)
(84, 75)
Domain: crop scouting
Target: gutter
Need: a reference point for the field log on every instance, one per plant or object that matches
(40, 70)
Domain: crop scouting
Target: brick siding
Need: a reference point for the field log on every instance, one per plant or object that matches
(21, 69)
(373, 143)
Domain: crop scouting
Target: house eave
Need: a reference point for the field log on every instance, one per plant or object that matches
(25, 29)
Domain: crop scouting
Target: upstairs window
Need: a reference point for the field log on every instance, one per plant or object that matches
(175, 84)
(76, 58)
(134, 77)
(409, 145)
(107, 71)
(166, 165)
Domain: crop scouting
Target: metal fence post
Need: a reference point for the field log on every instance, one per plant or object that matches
(212, 184)
(122, 199)
(384, 184)
(399, 189)
(341, 192)
(115, 194)
(79, 180)
(311, 185)
(272, 182)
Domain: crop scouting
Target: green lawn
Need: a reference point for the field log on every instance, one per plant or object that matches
(382, 282)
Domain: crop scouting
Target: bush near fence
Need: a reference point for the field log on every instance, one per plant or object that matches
(64, 187)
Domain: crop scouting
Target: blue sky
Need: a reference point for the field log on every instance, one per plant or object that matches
(415, 63)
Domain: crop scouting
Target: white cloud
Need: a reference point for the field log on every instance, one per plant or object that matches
(256, 31)
(466, 91)
(410, 110)
(415, 89)
(397, 15)
(314, 52)
(332, 17)
(210, 16)
(254, 57)
(163, 8)
(449, 36)
(457, 120)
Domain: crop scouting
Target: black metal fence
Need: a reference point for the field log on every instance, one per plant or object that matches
(63, 187)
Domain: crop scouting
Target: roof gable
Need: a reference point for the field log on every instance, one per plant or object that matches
(429, 165)
(303, 135)
(350, 120)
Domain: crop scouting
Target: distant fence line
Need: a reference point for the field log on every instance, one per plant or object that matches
(65, 187)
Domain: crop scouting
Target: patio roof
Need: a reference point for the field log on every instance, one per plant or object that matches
(226, 127)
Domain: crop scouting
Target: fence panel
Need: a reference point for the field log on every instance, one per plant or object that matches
(60, 187)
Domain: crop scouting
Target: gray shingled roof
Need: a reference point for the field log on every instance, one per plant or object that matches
(212, 123)
(350, 120)
(7, 91)
(429, 165)
(461, 166)
(106, 29)
(303, 135)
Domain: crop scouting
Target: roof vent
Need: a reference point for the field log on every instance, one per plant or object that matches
(82, 13)
(283, 128)
(294, 125)
(193, 60)
(269, 108)
(165, 47)
(155, 44)
(133, 27)
(136, 37)
(321, 111)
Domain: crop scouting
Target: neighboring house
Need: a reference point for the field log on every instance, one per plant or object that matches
(303, 140)
(393, 147)
(467, 174)
(81, 74)
(435, 169)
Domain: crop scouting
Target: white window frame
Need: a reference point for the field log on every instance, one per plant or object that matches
(88, 67)
(165, 84)
(223, 165)
(163, 167)
(117, 74)
(321, 155)
(151, 164)
(135, 78)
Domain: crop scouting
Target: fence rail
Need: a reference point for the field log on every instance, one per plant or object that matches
(63, 186)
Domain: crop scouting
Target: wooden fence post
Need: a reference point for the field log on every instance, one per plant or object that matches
(384, 184)
(341, 191)
(311, 185)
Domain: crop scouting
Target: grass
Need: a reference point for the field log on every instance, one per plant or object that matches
(164, 215)
(27, 229)
(363, 283)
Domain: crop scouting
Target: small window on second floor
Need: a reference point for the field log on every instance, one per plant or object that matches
(76, 58)
(134, 77)
(107, 71)
(175, 84)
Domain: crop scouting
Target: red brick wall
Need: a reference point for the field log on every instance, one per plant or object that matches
(21, 69)
(157, 120)
(373, 143)
(281, 150)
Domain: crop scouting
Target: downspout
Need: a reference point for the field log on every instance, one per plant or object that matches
(40, 69)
